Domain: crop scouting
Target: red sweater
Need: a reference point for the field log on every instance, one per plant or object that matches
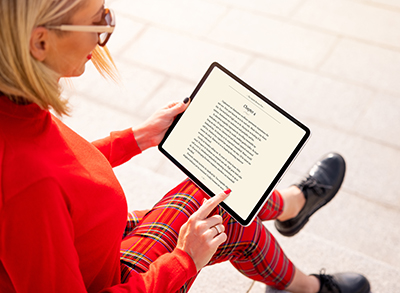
(63, 212)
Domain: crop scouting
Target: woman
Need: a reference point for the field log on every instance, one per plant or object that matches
(63, 217)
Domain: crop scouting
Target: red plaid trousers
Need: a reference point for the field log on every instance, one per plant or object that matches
(252, 250)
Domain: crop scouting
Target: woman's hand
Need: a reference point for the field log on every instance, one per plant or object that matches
(201, 236)
(151, 132)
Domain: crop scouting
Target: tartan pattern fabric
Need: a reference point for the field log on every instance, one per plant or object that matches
(132, 222)
(252, 250)
(272, 208)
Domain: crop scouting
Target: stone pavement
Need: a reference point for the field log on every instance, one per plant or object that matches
(334, 64)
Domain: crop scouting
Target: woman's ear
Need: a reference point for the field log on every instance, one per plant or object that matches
(39, 42)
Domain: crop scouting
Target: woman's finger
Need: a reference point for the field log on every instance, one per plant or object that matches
(214, 220)
(175, 108)
(218, 240)
(217, 229)
(211, 204)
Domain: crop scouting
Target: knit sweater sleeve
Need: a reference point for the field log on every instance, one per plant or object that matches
(119, 147)
(167, 274)
(43, 256)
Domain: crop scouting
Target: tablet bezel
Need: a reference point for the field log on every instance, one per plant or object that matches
(247, 221)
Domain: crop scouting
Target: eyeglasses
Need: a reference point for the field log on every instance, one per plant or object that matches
(104, 29)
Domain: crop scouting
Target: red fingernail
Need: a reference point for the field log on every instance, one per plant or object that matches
(227, 191)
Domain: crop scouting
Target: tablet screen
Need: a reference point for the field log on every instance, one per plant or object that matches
(232, 137)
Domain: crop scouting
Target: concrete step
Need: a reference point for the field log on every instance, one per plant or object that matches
(312, 253)
(356, 222)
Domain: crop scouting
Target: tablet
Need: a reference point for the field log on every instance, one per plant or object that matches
(231, 136)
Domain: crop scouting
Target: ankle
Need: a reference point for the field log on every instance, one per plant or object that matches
(294, 200)
(304, 283)
(316, 284)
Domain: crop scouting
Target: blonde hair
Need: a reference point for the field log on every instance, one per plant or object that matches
(22, 77)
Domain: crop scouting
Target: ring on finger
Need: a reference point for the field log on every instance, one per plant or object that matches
(217, 228)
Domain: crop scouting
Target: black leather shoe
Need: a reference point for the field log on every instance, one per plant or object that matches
(343, 283)
(319, 187)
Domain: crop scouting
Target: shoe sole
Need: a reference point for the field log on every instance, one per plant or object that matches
(294, 231)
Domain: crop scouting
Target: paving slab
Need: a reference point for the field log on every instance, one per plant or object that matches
(135, 86)
(127, 30)
(275, 38)
(267, 7)
(311, 254)
(161, 49)
(222, 278)
(360, 225)
(195, 17)
(173, 89)
(93, 120)
(381, 121)
(372, 168)
(365, 64)
(354, 19)
(390, 4)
